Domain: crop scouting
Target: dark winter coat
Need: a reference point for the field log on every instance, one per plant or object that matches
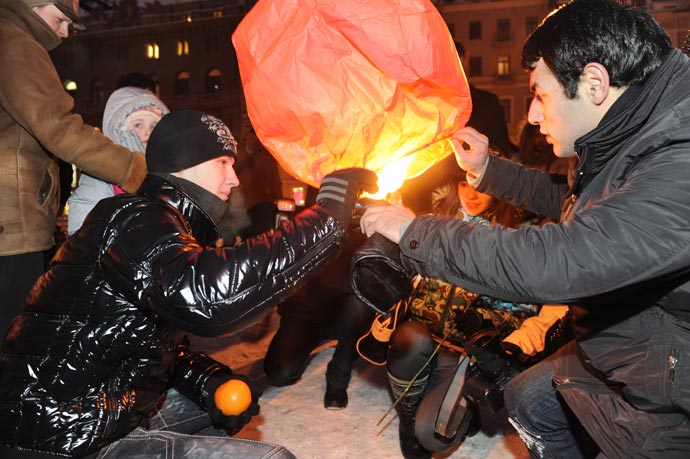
(623, 244)
(100, 339)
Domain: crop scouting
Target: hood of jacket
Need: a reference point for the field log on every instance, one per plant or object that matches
(19, 14)
(123, 102)
(638, 104)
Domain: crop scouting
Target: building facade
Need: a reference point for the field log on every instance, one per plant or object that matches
(185, 48)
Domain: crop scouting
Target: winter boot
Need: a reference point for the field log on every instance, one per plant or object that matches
(407, 410)
(337, 380)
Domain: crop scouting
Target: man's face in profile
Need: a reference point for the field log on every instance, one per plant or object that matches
(56, 19)
(560, 119)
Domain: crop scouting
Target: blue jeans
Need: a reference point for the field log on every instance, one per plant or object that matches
(181, 430)
(546, 425)
(564, 408)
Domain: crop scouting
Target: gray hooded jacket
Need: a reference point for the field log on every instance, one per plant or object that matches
(121, 104)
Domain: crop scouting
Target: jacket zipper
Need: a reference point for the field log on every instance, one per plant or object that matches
(672, 363)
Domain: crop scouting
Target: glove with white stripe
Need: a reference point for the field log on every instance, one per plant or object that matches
(340, 189)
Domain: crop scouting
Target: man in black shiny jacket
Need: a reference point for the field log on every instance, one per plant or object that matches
(97, 364)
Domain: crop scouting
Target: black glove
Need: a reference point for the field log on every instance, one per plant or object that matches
(231, 424)
(491, 358)
(340, 189)
(377, 275)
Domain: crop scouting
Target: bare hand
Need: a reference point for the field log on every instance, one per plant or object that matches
(386, 220)
(473, 155)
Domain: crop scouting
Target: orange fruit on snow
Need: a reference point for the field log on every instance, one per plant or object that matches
(233, 397)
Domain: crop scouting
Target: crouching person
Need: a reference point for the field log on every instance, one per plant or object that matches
(96, 365)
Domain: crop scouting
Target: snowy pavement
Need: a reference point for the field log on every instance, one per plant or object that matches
(294, 416)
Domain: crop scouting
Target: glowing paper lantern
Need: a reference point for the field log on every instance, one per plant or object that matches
(352, 83)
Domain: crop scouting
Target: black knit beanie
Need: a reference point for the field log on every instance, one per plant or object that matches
(185, 138)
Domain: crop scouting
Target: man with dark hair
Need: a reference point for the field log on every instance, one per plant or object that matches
(609, 90)
(36, 126)
(97, 364)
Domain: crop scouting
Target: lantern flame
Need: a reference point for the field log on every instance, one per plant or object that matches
(391, 177)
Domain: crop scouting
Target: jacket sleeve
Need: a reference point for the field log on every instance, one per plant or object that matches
(32, 94)
(630, 237)
(192, 372)
(529, 189)
(209, 291)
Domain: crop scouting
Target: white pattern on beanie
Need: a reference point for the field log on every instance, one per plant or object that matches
(224, 135)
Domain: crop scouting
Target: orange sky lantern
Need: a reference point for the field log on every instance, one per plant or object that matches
(352, 83)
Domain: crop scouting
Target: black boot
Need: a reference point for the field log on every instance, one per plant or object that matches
(337, 380)
(407, 409)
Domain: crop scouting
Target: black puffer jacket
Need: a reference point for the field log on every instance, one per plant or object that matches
(100, 339)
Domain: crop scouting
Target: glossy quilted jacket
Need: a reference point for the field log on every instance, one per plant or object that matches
(101, 337)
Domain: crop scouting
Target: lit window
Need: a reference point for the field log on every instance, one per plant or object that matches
(189, 18)
(218, 14)
(213, 81)
(182, 48)
(503, 69)
(182, 83)
(152, 51)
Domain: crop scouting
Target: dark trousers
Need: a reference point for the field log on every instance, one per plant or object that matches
(410, 348)
(18, 274)
(323, 309)
(340, 317)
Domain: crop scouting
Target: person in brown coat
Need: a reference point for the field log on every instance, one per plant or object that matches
(36, 127)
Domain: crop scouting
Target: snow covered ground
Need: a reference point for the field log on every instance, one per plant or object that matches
(294, 416)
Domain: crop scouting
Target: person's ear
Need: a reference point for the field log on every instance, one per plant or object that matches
(595, 82)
